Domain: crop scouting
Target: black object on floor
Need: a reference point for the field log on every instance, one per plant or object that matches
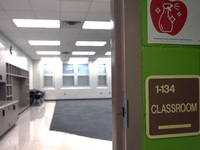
(90, 118)
(36, 97)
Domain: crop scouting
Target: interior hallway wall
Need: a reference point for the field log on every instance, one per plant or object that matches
(17, 58)
(58, 92)
(36, 75)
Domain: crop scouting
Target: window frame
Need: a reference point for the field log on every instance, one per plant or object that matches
(102, 74)
(48, 75)
(76, 75)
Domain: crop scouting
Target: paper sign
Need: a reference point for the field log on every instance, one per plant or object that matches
(174, 22)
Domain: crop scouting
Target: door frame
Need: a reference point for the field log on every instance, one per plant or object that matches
(126, 73)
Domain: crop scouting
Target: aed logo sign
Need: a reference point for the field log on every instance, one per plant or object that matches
(172, 106)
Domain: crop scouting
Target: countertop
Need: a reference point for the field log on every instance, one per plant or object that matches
(4, 104)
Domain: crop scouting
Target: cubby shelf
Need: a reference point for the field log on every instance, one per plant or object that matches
(17, 85)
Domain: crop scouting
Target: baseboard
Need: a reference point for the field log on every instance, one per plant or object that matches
(78, 99)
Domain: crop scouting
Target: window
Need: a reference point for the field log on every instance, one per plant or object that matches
(102, 75)
(75, 75)
(68, 69)
(48, 76)
(83, 75)
(68, 75)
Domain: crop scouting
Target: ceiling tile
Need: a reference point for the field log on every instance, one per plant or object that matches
(30, 34)
(21, 14)
(7, 25)
(3, 15)
(75, 6)
(50, 34)
(100, 7)
(98, 17)
(14, 36)
(67, 33)
(72, 16)
(45, 5)
(94, 35)
(15, 5)
(54, 15)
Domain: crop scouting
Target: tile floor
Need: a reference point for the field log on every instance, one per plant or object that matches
(32, 133)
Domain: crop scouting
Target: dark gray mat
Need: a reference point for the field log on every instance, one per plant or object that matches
(90, 118)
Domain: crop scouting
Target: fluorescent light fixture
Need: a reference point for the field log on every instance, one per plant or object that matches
(50, 59)
(48, 52)
(103, 60)
(83, 53)
(44, 43)
(90, 43)
(97, 25)
(37, 23)
(108, 53)
(1, 45)
(79, 60)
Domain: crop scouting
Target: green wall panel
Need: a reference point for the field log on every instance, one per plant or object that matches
(160, 59)
(170, 61)
(165, 60)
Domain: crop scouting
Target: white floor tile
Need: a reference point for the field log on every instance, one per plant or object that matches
(32, 133)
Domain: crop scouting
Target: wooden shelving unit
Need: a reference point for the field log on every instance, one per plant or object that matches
(17, 86)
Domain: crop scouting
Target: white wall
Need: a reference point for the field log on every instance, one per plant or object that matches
(37, 75)
(59, 92)
(17, 58)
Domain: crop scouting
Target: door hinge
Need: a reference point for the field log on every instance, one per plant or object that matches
(124, 111)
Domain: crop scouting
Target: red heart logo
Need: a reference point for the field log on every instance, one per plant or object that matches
(168, 16)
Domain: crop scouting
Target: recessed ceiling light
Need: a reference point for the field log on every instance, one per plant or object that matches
(2, 46)
(90, 43)
(37, 23)
(48, 52)
(44, 43)
(83, 53)
(97, 25)
(103, 60)
(108, 53)
(51, 60)
(78, 60)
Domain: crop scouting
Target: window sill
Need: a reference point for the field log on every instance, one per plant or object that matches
(75, 88)
(48, 88)
(102, 87)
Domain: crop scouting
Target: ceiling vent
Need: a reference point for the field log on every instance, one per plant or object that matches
(64, 54)
(71, 24)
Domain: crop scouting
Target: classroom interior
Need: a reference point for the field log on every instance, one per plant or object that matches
(64, 71)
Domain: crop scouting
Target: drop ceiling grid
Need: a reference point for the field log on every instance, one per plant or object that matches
(72, 10)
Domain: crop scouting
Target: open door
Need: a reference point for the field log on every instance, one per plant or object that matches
(118, 73)
(126, 74)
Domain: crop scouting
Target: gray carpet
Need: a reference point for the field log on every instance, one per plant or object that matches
(90, 118)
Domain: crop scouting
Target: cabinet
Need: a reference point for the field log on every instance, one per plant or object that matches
(8, 115)
(17, 86)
